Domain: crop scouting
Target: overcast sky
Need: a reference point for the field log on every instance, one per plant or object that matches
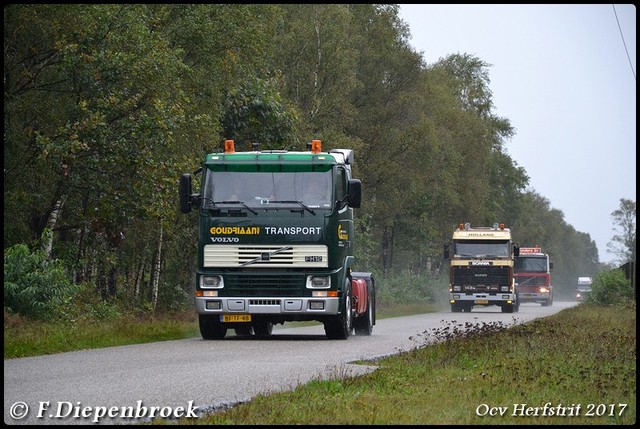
(563, 78)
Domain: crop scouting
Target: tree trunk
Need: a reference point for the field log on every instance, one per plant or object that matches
(47, 242)
(387, 249)
(156, 271)
(139, 278)
(112, 282)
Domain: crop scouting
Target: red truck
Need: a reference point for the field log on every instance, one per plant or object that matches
(532, 272)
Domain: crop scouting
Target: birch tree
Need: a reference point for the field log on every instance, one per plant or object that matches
(623, 243)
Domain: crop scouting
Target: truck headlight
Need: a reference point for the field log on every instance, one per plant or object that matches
(457, 288)
(318, 282)
(211, 282)
(504, 288)
(544, 290)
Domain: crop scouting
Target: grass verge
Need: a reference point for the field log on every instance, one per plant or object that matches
(24, 338)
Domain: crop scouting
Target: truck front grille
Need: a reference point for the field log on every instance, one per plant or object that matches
(261, 256)
(264, 285)
(481, 279)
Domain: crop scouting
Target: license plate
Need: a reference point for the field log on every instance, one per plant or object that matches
(236, 318)
(482, 301)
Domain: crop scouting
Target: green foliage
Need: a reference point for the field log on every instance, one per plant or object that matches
(89, 305)
(623, 244)
(174, 298)
(256, 112)
(106, 104)
(611, 288)
(409, 288)
(34, 286)
(538, 224)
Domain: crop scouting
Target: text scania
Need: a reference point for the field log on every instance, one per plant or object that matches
(292, 230)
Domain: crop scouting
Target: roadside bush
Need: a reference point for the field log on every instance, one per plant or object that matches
(407, 288)
(34, 285)
(610, 287)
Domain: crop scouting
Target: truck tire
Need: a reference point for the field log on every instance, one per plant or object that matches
(550, 302)
(339, 327)
(507, 308)
(211, 328)
(456, 308)
(363, 324)
(262, 327)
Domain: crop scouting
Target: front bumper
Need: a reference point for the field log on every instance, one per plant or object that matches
(267, 305)
(482, 298)
(534, 297)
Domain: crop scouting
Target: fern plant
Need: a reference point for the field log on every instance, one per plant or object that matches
(34, 285)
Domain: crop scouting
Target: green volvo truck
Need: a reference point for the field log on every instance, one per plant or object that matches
(276, 242)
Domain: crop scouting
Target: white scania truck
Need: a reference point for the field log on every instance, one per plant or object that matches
(481, 268)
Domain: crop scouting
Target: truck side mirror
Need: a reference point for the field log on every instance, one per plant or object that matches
(516, 250)
(185, 192)
(355, 193)
(446, 251)
(550, 266)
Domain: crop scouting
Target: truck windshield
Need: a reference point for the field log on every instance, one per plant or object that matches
(257, 188)
(525, 264)
(481, 248)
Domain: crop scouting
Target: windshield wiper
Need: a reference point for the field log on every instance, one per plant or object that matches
(237, 202)
(526, 281)
(269, 255)
(294, 202)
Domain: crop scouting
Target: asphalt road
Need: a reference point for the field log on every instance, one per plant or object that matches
(186, 377)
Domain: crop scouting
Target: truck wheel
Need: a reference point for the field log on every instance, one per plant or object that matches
(507, 308)
(516, 306)
(364, 323)
(211, 328)
(456, 308)
(339, 327)
(262, 327)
